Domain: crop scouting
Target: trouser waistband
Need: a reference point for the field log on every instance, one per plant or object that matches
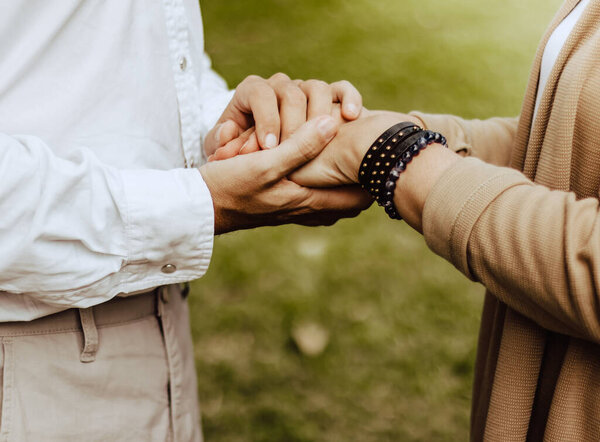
(117, 310)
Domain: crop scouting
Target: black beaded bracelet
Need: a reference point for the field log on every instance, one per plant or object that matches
(427, 138)
(389, 156)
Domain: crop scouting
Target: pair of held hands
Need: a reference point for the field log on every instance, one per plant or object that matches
(321, 133)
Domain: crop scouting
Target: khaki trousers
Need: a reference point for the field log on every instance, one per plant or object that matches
(121, 371)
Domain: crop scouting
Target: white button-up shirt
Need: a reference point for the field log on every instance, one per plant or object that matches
(103, 108)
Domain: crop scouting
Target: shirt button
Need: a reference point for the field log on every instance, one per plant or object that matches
(182, 63)
(168, 268)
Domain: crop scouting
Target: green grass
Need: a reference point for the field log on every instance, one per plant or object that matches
(402, 323)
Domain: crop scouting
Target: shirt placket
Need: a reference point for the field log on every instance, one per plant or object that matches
(186, 83)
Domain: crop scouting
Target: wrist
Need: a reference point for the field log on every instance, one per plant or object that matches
(223, 221)
(371, 127)
(415, 184)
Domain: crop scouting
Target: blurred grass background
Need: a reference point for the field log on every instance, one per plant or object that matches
(355, 332)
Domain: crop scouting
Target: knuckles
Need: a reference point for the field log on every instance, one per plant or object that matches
(279, 77)
(313, 84)
(252, 79)
(250, 83)
(347, 89)
(345, 84)
(294, 95)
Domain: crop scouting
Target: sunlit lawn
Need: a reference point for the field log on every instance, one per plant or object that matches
(400, 323)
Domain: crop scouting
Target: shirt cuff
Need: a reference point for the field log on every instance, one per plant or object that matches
(169, 227)
(457, 201)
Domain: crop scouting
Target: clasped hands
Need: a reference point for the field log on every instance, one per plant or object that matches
(288, 151)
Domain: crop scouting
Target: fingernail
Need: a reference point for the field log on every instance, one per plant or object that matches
(270, 141)
(211, 157)
(326, 126)
(243, 147)
(352, 109)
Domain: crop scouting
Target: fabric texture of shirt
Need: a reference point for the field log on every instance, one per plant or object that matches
(531, 234)
(103, 108)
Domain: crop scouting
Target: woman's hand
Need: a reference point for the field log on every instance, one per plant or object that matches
(263, 112)
(338, 164)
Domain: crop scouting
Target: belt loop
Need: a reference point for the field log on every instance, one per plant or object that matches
(90, 335)
(185, 291)
(160, 299)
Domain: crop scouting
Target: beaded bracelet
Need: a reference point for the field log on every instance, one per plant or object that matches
(427, 139)
(389, 156)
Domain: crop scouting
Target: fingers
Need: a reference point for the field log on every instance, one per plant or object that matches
(302, 147)
(320, 97)
(279, 106)
(327, 206)
(233, 147)
(258, 98)
(220, 135)
(345, 93)
(228, 151)
(244, 144)
(227, 132)
(326, 218)
(292, 104)
(317, 207)
(251, 145)
(342, 199)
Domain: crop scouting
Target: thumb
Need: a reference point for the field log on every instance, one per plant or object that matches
(304, 145)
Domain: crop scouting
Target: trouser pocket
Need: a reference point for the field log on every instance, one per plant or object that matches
(122, 396)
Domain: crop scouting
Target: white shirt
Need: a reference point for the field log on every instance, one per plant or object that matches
(103, 107)
(555, 44)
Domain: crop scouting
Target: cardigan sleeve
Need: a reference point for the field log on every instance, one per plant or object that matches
(490, 140)
(535, 249)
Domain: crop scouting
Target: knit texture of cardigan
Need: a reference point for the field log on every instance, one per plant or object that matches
(521, 216)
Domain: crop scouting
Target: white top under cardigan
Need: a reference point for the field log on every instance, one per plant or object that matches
(555, 43)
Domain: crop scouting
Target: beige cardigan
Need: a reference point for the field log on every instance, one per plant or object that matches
(533, 239)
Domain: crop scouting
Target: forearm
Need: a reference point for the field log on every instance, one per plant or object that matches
(533, 248)
(416, 182)
(489, 140)
(536, 249)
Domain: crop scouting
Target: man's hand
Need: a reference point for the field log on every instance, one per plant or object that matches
(253, 190)
(263, 112)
